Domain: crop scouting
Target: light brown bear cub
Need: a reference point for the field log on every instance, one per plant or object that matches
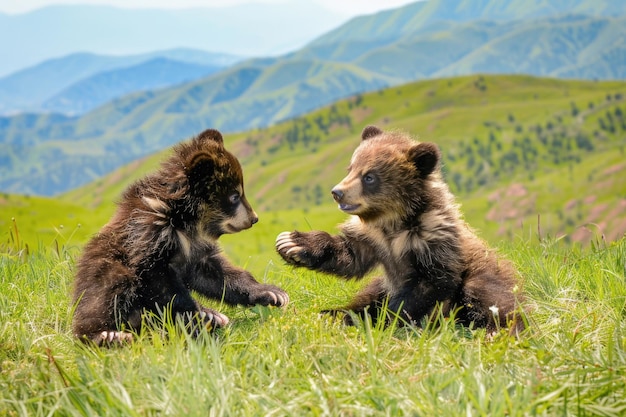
(162, 243)
(405, 218)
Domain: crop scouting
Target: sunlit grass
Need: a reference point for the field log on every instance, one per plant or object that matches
(572, 360)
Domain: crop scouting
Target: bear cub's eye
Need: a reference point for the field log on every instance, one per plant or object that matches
(369, 178)
(234, 198)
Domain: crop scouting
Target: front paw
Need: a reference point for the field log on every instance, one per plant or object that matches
(295, 249)
(270, 295)
(213, 319)
(288, 248)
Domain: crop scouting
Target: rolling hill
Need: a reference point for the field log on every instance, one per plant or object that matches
(49, 155)
(525, 156)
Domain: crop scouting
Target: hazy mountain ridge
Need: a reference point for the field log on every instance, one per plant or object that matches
(422, 17)
(102, 87)
(565, 47)
(29, 89)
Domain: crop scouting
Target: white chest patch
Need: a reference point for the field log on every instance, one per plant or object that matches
(435, 226)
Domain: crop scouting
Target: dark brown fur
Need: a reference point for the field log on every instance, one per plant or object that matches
(405, 219)
(162, 243)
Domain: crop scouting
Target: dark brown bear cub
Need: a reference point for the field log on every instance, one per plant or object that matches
(161, 244)
(405, 219)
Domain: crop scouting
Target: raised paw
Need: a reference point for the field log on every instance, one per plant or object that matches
(301, 249)
(270, 295)
(288, 248)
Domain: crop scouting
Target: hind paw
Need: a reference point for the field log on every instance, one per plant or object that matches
(110, 338)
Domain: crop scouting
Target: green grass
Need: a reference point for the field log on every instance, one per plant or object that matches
(39, 221)
(572, 361)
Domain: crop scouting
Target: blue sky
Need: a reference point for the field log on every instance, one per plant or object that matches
(347, 7)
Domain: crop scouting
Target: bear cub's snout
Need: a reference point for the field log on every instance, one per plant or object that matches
(337, 194)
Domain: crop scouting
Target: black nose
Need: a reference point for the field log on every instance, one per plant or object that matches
(254, 220)
(337, 194)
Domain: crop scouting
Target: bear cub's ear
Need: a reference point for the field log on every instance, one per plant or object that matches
(425, 156)
(370, 132)
(211, 134)
(199, 170)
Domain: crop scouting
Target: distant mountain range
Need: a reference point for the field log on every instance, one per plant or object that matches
(437, 15)
(28, 39)
(79, 82)
(48, 154)
(562, 38)
(91, 92)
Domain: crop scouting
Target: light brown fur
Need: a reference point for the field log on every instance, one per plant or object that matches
(405, 219)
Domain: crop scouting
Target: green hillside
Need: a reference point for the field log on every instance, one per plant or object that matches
(524, 155)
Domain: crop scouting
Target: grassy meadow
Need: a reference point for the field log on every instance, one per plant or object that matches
(292, 361)
(551, 164)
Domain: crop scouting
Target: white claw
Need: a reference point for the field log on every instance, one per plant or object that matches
(283, 241)
(294, 253)
(284, 299)
(115, 336)
(215, 318)
(219, 320)
(280, 238)
(274, 298)
(283, 235)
